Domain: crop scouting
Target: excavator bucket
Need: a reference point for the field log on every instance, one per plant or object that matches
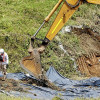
(32, 63)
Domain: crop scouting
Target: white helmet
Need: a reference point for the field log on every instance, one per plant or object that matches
(1, 51)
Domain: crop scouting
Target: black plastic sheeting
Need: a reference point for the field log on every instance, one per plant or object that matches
(89, 88)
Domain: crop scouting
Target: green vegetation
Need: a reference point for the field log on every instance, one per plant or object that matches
(19, 20)
(5, 97)
(57, 98)
(87, 99)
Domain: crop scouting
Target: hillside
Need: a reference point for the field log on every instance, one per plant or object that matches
(19, 20)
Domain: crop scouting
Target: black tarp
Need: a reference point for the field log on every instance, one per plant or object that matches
(88, 88)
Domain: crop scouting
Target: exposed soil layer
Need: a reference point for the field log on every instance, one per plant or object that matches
(89, 39)
(14, 85)
(43, 83)
(89, 62)
(10, 85)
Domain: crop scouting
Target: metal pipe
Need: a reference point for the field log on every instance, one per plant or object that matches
(53, 10)
(39, 29)
(48, 17)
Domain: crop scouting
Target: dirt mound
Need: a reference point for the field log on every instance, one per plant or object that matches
(89, 44)
(45, 83)
(89, 62)
(89, 40)
(10, 84)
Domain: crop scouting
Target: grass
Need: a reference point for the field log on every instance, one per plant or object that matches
(87, 99)
(5, 97)
(58, 98)
(19, 20)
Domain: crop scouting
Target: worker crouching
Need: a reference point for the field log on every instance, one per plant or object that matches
(3, 62)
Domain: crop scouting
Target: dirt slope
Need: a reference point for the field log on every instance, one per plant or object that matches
(89, 62)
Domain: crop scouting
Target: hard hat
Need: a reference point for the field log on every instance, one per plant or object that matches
(1, 51)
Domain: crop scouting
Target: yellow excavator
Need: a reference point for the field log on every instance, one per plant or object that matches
(32, 63)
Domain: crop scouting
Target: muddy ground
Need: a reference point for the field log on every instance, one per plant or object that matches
(11, 85)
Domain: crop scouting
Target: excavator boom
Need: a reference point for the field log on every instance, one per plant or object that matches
(63, 16)
(94, 1)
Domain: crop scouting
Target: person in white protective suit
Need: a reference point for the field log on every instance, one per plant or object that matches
(3, 62)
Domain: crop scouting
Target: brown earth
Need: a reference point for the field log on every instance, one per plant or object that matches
(10, 84)
(89, 62)
(15, 85)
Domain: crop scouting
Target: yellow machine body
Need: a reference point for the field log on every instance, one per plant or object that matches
(94, 1)
(63, 16)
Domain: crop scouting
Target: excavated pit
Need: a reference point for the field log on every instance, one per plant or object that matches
(89, 62)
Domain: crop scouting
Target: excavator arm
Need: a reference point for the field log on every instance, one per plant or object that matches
(67, 10)
(32, 63)
(93, 1)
